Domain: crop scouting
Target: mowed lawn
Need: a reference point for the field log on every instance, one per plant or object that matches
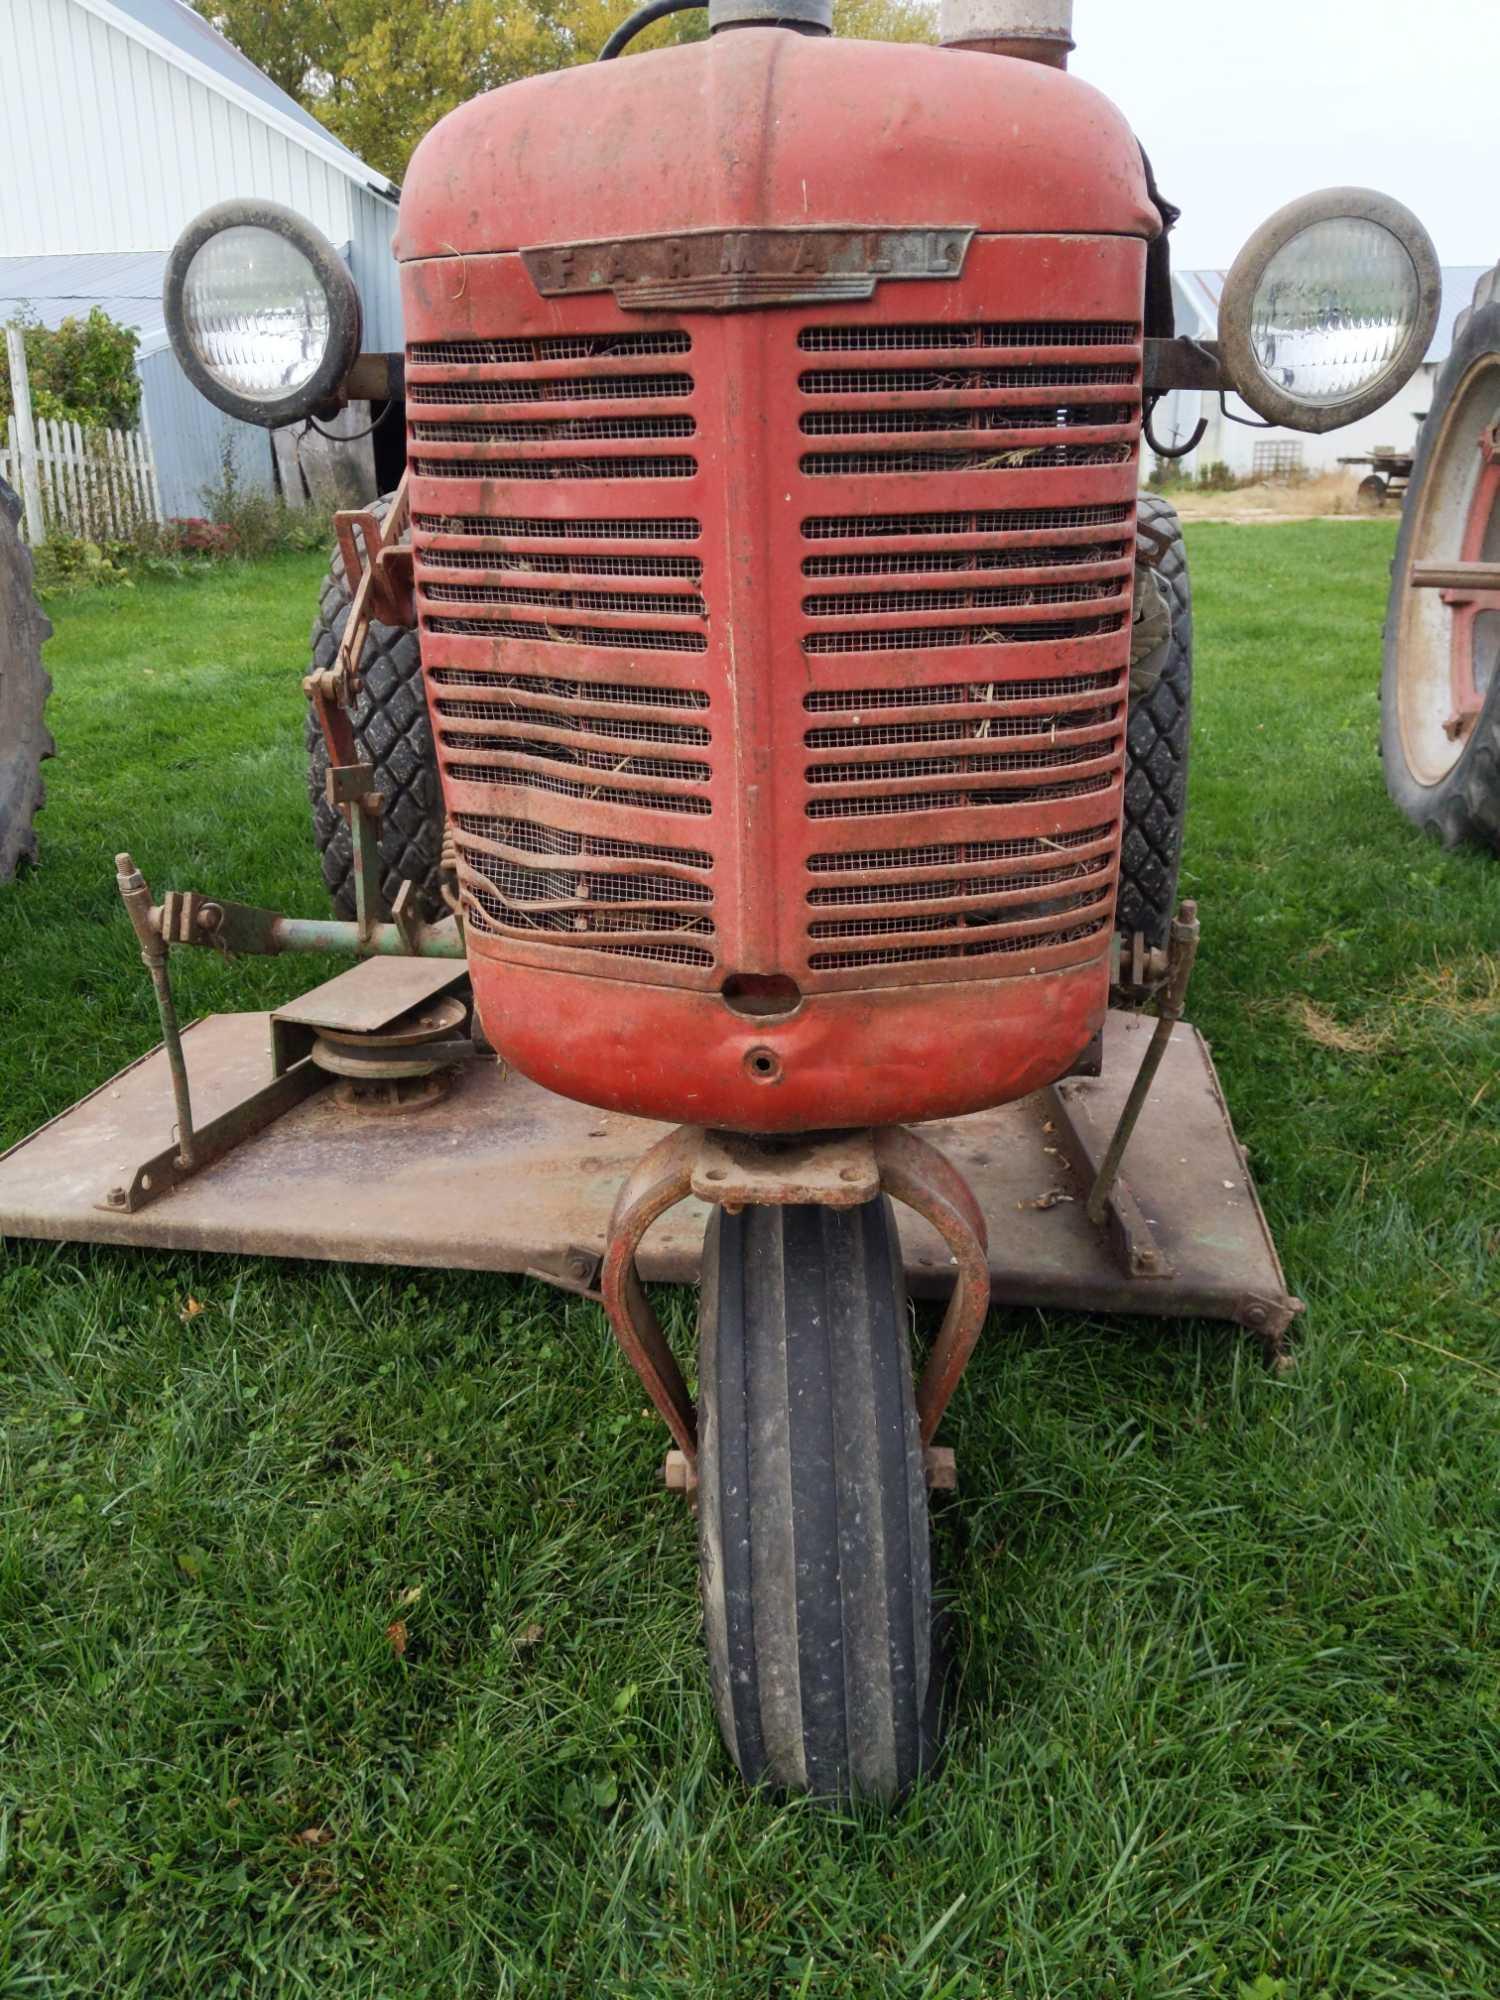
(349, 1645)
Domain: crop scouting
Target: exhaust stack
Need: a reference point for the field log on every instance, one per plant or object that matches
(1035, 30)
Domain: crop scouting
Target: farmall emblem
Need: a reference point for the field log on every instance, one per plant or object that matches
(729, 270)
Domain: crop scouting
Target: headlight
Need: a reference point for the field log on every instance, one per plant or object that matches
(262, 312)
(1329, 309)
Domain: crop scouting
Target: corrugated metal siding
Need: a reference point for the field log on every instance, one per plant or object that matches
(111, 147)
(372, 222)
(188, 437)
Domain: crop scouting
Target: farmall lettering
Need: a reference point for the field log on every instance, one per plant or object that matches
(725, 270)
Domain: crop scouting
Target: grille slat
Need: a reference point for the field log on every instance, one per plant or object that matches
(635, 639)
(1083, 726)
(994, 458)
(545, 432)
(559, 725)
(989, 697)
(623, 766)
(498, 530)
(880, 805)
(1040, 335)
(500, 777)
(1032, 944)
(569, 565)
(971, 562)
(1036, 379)
(997, 597)
(926, 638)
(963, 927)
(624, 467)
(551, 347)
(910, 862)
(582, 697)
(899, 899)
(553, 389)
(899, 771)
(1100, 423)
(554, 598)
(530, 836)
(1035, 524)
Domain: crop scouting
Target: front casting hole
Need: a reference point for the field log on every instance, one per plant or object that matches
(764, 1065)
(761, 996)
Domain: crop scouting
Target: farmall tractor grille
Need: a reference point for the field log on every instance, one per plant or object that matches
(786, 642)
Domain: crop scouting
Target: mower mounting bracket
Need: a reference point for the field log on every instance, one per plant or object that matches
(733, 1172)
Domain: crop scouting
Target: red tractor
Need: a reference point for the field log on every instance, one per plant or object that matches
(807, 688)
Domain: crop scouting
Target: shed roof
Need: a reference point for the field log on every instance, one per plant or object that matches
(178, 33)
(126, 283)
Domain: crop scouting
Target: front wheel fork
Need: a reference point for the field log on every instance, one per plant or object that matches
(838, 1170)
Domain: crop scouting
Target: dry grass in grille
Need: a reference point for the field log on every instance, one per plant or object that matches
(1096, 932)
(680, 466)
(864, 806)
(1010, 333)
(990, 521)
(552, 389)
(951, 888)
(917, 562)
(558, 528)
(558, 687)
(929, 638)
(507, 352)
(855, 701)
(614, 637)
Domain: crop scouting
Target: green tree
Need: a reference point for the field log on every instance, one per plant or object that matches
(380, 73)
(81, 372)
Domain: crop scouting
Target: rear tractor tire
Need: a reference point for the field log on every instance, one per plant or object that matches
(24, 686)
(1440, 686)
(393, 734)
(812, 1504)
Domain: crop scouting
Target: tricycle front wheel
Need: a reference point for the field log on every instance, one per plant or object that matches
(812, 1503)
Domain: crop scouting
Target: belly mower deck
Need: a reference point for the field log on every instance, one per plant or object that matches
(498, 1174)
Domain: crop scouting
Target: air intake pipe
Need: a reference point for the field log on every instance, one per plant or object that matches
(1035, 30)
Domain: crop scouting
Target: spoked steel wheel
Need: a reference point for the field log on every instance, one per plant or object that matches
(1441, 691)
(812, 1503)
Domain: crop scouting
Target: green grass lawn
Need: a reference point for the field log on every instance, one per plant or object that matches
(1230, 1701)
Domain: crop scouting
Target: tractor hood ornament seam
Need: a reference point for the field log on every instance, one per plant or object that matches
(733, 270)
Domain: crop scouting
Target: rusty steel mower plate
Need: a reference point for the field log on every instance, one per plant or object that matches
(500, 1175)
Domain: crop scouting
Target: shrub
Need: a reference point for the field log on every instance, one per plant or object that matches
(81, 372)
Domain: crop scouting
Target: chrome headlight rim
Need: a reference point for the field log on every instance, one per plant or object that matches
(319, 391)
(1236, 308)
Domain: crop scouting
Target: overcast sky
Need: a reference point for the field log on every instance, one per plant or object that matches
(1243, 106)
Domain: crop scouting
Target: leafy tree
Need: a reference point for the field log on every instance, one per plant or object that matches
(82, 372)
(379, 73)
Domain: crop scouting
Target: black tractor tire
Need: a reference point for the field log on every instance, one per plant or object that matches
(1460, 805)
(812, 1504)
(393, 733)
(1156, 763)
(25, 742)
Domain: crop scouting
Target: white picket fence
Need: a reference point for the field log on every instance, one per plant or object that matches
(74, 480)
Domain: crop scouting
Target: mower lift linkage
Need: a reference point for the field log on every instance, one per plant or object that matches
(376, 569)
(235, 928)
